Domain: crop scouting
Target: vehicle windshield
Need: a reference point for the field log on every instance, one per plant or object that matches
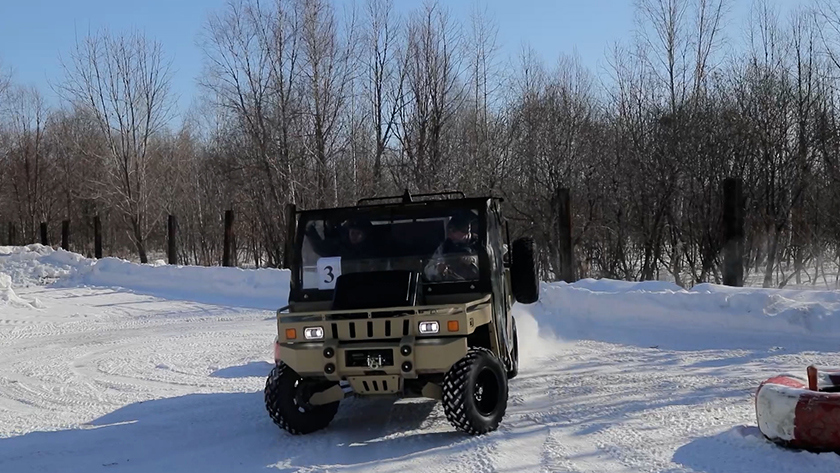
(441, 246)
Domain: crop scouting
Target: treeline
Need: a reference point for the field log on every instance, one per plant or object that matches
(320, 104)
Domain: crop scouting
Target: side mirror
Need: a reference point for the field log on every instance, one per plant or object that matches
(523, 271)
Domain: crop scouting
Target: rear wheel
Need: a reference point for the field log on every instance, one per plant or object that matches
(287, 401)
(475, 392)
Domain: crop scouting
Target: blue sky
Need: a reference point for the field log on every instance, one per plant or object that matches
(34, 32)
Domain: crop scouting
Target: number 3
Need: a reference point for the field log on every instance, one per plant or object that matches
(330, 274)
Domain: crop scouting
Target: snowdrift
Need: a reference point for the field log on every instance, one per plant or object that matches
(41, 265)
(9, 297)
(37, 265)
(253, 288)
(578, 310)
(594, 308)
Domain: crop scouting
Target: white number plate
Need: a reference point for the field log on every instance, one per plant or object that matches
(329, 269)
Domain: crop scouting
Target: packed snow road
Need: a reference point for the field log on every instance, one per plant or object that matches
(615, 378)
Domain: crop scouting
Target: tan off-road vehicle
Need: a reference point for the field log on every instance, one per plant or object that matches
(403, 296)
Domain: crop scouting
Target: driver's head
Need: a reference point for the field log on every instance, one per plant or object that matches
(357, 230)
(459, 228)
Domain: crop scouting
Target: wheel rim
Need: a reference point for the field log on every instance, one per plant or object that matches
(300, 398)
(486, 392)
(303, 393)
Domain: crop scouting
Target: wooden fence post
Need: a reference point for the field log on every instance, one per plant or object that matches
(733, 232)
(65, 235)
(565, 250)
(12, 234)
(97, 237)
(172, 230)
(44, 237)
(227, 255)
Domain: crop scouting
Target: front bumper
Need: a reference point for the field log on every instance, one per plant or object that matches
(409, 357)
(375, 350)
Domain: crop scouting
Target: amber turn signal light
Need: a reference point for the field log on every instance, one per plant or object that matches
(291, 333)
(452, 325)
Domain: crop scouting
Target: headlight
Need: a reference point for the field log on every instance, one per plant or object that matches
(313, 333)
(429, 327)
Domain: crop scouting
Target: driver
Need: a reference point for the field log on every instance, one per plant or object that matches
(356, 241)
(350, 240)
(455, 258)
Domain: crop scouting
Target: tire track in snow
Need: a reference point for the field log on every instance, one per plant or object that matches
(555, 456)
(74, 371)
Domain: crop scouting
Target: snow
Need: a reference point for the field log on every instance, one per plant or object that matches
(260, 288)
(138, 368)
(720, 312)
(776, 410)
(9, 297)
(38, 265)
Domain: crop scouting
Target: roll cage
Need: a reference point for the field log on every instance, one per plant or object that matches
(406, 207)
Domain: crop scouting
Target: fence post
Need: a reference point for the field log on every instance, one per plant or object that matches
(564, 216)
(291, 232)
(97, 237)
(65, 235)
(12, 234)
(733, 232)
(44, 240)
(228, 249)
(172, 230)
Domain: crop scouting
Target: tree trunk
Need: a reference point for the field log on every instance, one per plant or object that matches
(771, 259)
(138, 239)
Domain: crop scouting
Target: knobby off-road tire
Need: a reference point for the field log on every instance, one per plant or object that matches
(525, 281)
(286, 399)
(475, 392)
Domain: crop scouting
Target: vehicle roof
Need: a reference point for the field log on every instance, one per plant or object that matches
(459, 202)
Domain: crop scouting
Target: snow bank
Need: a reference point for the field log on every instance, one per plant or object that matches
(611, 286)
(36, 265)
(584, 309)
(8, 296)
(589, 308)
(40, 265)
(255, 288)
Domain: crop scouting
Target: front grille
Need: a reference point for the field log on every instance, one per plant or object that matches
(365, 315)
(359, 358)
(370, 329)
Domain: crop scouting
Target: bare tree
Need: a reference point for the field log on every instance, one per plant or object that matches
(434, 94)
(123, 82)
(28, 161)
(828, 14)
(5, 81)
(384, 78)
(328, 68)
(253, 75)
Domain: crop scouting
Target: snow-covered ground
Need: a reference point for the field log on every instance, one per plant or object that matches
(121, 367)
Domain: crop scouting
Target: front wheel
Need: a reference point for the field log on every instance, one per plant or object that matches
(475, 392)
(287, 401)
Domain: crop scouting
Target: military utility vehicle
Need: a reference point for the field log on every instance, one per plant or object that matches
(405, 296)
